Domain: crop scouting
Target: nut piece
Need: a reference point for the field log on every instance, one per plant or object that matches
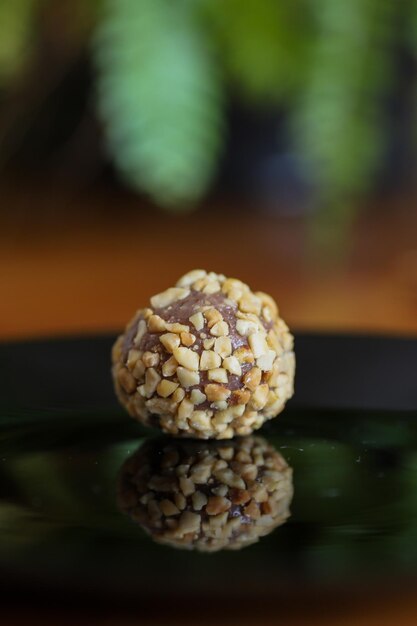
(139, 370)
(232, 365)
(246, 327)
(132, 358)
(223, 346)
(220, 329)
(268, 302)
(139, 333)
(219, 375)
(220, 406)
(266, 314)
(156, 324)
(190, 278)
(266, 361)
(241, 396)
(168, 508)
(187, 486)
(170, 341)
(170, 366)
(197, 397)
(229, 478)
(259, 397)
(187, 339)
(185, 409)
(252, 378)
(221, 490)
(187, 358)
(189, 523)
(212, 287)
(152, 379)
(234, 289)
(212, 316)
(200, 420)
(166, 387)
(209, 360)
(252, 510)
(126, 380)
(199, 500)
(244, 355)
(178, 395)
(150, 359)
(180, 501)
(257, 342)
(197, 320)
(249, 303)
(187, 377)
(169, 296)
(216, 393)
(239, 496)
(175, 327)
(217, 504)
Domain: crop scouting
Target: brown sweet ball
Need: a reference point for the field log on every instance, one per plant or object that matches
(206, 496)
(208, 359)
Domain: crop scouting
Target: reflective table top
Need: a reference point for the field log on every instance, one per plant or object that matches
(333, 500)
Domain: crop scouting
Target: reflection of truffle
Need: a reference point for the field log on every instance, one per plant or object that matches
(206, 496)
(210, 359)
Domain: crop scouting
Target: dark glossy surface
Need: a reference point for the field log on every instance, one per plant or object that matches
(333, 372)
(353, 514)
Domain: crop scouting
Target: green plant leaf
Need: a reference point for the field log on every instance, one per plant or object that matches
(338, 120)
(411, 29)
(16, 35)
(262, 43)
(412, 25)
(160, 97)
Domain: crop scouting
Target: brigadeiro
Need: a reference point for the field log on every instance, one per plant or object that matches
(208, 359)
(206, 496)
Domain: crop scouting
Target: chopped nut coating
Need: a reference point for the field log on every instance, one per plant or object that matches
(208, 358)
(206, 496)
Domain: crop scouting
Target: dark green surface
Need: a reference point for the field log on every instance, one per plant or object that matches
(354, 512)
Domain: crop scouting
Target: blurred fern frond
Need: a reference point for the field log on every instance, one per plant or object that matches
(338, 120)
(160, 97)
(412, 41)
(16, 17)
(263, 45)
(412, 26)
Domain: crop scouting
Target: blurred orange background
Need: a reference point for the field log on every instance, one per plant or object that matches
(74, 264)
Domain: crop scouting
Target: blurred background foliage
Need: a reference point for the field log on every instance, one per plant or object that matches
(327, 88)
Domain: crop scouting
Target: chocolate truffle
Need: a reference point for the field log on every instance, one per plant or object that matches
(208, 359)
(204, 495)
